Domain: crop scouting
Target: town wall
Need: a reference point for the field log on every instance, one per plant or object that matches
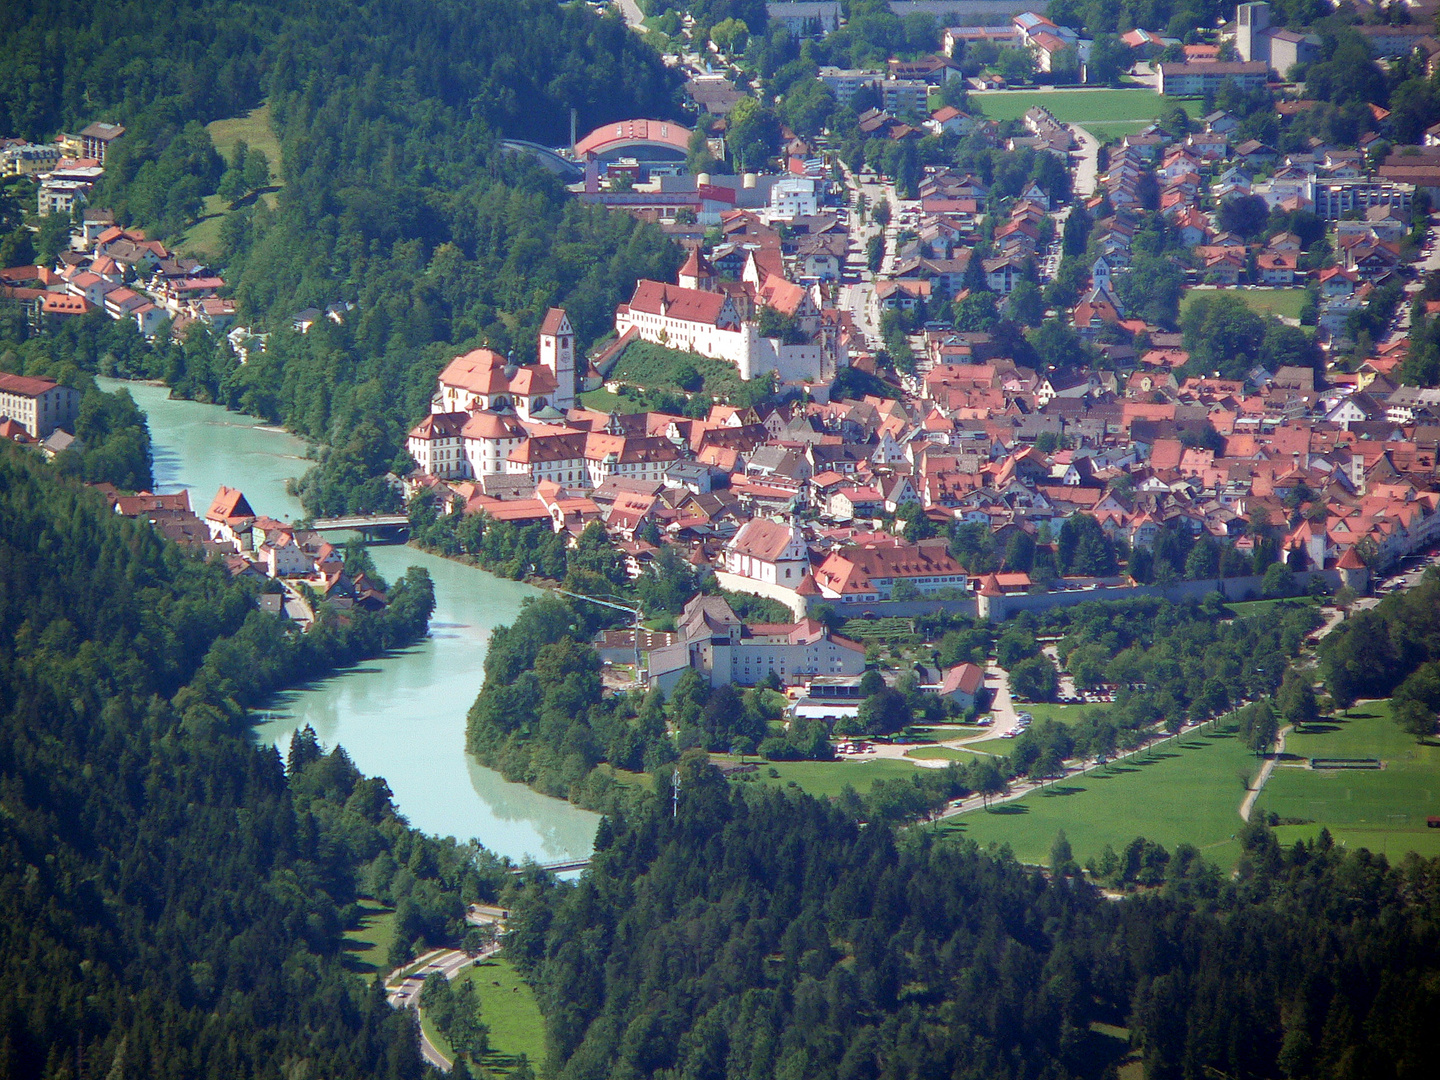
(1000, 608)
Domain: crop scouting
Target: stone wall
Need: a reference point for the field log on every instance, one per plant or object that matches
(1000, 608)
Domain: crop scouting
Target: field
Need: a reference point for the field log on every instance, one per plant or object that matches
(1084, 107)
(826, 779)
(508, 1009)
(1384, 810)
(203, 238)
(1285, 303)
(507, 1006)
(1187, 792)
(367, 946)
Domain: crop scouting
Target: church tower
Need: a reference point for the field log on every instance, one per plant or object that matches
(557, 352)
(697, 273)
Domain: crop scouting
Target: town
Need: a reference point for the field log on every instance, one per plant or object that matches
(698, 538)
(988, 367)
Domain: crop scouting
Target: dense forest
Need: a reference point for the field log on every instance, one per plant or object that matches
(172, 894)
(761, 933)
(397, 196)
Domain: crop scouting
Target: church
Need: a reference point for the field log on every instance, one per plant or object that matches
(481, 400)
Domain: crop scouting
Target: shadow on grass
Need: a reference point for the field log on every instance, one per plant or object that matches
(1325, 728)
(496, 1062)
(1067, 789)
(351, 962)
(1010, 808)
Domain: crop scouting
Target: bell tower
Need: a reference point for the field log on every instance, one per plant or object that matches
(557, 353)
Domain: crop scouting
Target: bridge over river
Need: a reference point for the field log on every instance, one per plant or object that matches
(372, 527)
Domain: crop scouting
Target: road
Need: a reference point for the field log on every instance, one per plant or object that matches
(1087, 167)
(406, 993)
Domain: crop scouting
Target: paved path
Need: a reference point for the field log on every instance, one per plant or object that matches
(1087, 168)
(634, 17)
(1248, 803)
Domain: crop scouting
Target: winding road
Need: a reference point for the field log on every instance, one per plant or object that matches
(406, 993)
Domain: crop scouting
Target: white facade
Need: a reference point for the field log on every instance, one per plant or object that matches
(38, 405)
(796, 196)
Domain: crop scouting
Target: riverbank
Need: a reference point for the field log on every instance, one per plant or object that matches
(402, 716)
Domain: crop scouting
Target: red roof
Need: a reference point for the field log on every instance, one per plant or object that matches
(25, 385)
(606, 136)
(688, 305)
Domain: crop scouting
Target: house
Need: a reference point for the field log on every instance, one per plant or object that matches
(948, 120)
(229, 516)
(859, 574)
(38, 405)
(1277, 267)
(713, 641)
(962, 684)
(768, 552)
(95, 140)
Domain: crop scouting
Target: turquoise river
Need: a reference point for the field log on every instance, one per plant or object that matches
(402, 716)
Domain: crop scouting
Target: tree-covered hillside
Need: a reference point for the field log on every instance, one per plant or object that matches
(171, 897)
(761, 934)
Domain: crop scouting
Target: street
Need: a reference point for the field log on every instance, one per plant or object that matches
(406, 993)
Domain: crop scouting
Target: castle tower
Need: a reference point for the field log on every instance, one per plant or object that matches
(697, 273)
(557, 352)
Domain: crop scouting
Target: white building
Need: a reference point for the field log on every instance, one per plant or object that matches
(795, 196)
(434, 444)
(714, 642)
(38, 405)
(769, 552)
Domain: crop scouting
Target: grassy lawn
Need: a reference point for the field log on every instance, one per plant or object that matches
(1114, 129)
(655, 367)
(1079, 106)
(255, 129)
(826, 779)
(367, 946)
(203, 238)
(1286, 303)
(1064, 714)
(508, 1008)
(1383, 810)
(1255, 607)
(630, 779)
(1187, 792)
(604, 401)
(941, 753)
